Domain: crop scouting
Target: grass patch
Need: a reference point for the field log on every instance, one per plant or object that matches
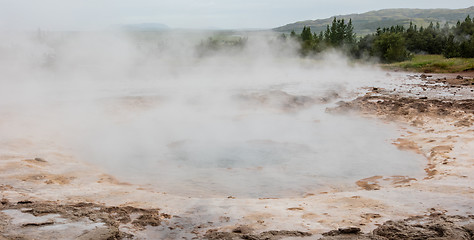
(434, 64)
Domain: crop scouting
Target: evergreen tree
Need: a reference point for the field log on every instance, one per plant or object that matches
(306, 34)
(293, 34)
(349, 35)
(307, 43)
(451, 48)
(390, 47)
(467, 48)
(392, 43)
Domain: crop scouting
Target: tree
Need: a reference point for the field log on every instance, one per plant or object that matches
(451, 48)
(307, 43)
(340, 34)
(364, 46)
(306, 34)
(467, 48)
(393, 43)
(390, 47)
(349, 35)
(293, 34)
(460, 42)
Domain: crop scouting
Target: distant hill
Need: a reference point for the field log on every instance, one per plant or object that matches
(368, 22)
(144, 27)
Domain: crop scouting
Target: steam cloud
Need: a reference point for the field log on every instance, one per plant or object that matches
(150, 109)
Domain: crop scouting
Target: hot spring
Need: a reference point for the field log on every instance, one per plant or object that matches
(244, 124)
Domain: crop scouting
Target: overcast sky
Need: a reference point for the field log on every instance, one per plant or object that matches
(223, 14)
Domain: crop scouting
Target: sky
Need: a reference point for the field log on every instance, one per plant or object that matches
(189, 14)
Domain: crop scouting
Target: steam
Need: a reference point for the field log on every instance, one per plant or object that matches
(150, 109)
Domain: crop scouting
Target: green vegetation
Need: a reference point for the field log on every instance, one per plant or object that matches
(434, 63)
(367, 23)
(392, 44)
(338, 35)
(220, 42)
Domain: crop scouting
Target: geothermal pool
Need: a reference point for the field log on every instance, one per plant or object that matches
(233, 146)
(246, 124)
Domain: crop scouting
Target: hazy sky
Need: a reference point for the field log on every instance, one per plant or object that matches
(100, 14)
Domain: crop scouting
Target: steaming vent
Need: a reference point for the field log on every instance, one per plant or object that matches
(261, 146)
(247, 123)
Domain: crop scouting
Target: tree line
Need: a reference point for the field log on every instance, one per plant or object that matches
(396, 43)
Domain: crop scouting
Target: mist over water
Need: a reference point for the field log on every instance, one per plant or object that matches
(153, 109)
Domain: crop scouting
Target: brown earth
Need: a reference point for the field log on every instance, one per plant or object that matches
(435, 226)
(112, 217)
(41, 195)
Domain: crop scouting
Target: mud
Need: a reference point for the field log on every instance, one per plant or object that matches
(452, 79)
(410, 109)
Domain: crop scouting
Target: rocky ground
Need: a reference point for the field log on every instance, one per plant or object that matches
(59, 197)
(442, 131)
(434, 226)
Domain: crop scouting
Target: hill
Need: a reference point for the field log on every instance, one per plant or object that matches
(368, 22)
(144, 27)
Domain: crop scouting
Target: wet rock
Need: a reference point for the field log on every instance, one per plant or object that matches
(459, 77)
(40, 160)
(369, 216)
(102, 234)
(109, 217)
(282, 234)
(464, 123)
(4, 202)
(37, 224)
(340, 231)
(435, 230)
(370, 183)
(469, 228)
(242, 229)
(351, 237)
(434, 227)
(148, 219)
(211, 235)
(214, 234)
(403, 107)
